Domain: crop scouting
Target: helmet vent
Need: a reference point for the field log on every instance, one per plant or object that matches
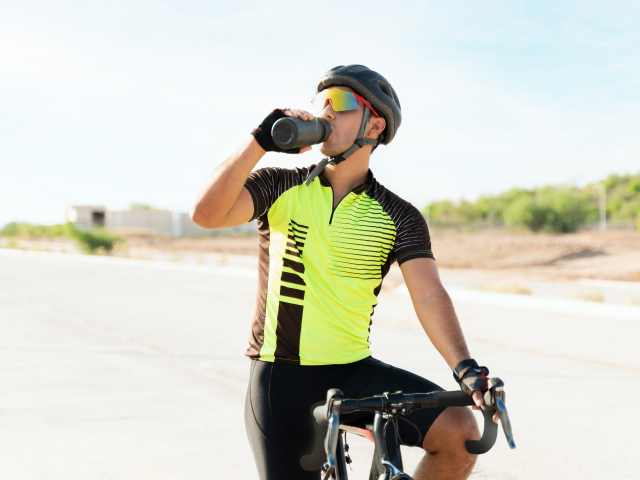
(387, 90)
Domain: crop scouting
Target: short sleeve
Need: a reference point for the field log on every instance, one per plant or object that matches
(268, 184)
(263, 185)
(412, 236)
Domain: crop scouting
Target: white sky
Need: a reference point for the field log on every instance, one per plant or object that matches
(116, 102)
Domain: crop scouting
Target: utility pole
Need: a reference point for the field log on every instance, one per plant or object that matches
(603, 206)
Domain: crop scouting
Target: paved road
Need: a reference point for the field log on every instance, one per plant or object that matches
(110, 369)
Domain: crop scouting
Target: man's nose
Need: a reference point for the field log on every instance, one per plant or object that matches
(328, 112)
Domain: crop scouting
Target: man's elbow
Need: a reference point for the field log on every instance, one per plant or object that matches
(202, 219)
(439, 292)
(434, 294)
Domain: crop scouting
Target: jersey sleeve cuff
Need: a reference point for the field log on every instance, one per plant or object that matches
(404, 257)
(254, 197)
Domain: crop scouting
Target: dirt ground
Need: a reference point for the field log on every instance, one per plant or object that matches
(232, 245)
(614, 255)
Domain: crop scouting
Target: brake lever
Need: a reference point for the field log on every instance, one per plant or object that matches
(333, 411)
(494, 400)
(332, 442)
(506, 423)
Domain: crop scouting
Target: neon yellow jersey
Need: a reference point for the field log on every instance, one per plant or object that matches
(320, 268)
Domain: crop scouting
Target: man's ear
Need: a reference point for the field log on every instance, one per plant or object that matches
(376, 126)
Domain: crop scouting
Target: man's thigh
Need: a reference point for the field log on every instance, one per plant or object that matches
(277, 419)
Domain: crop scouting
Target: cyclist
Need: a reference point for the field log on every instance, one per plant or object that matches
(328, 234)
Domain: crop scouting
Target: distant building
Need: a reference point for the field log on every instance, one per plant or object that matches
(143, 222)
(86, 217)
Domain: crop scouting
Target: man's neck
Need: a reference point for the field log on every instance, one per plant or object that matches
(349, 174)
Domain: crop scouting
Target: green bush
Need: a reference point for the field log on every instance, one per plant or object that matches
(16, 229)
(567, 209)
(10, 230)
(623, 197)
(88, 241)
(552, 209)
(91, 241)
(557, 210)
(145, 208)
(525, 212)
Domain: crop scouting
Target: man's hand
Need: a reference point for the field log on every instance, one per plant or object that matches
(477, 397)
(473, 385)
(262, 134)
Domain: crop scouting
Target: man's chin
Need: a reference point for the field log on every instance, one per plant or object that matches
(330, 150)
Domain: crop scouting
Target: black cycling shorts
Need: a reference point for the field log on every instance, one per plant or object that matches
(280, 396)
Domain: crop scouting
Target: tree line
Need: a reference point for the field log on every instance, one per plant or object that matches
(556, 209)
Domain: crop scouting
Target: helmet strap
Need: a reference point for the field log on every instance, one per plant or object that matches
(358, 144)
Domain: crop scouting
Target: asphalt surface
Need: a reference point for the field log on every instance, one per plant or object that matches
(134, 370)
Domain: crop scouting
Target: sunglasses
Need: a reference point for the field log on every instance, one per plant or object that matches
(340, 100)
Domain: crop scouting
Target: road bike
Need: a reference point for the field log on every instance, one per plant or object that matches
(331, 456)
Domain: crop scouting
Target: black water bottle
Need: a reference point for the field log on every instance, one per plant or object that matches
(292, 132)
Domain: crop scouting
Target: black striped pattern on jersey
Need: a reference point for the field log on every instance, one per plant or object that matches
(296, 238)
(363, 236)
(292, 286)
(412, 238)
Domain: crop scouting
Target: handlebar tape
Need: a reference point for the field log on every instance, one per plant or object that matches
(489, 435)
(453, 399)
(462, 399)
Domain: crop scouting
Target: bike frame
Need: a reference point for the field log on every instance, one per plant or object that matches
(387, 457)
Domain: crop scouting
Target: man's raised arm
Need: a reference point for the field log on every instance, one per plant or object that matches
(223, 201)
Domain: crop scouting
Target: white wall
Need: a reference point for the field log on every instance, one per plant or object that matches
(164, 224)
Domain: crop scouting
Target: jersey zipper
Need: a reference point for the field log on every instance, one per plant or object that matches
(333, 210)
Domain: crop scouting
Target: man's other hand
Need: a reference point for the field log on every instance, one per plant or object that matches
(262, 133)
(475, 384)
(477, 398)
(302, 115)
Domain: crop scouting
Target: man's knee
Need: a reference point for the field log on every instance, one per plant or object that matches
(451, 430)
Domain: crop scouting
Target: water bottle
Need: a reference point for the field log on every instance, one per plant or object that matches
(292, 132)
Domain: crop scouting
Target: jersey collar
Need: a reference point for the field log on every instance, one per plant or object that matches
(357, 190)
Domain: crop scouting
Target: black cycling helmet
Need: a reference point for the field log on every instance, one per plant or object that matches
(373, 87)
(378, 92)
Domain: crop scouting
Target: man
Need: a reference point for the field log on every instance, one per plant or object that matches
(328, 235)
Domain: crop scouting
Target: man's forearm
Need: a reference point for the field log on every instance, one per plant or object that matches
(222, 187)
(440, 322)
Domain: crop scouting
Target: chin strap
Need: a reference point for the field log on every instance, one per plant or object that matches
(358, 144)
